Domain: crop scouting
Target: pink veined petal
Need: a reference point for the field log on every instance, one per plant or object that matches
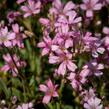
(74, 84)
(97, 6)
(44, 21)
(50, 84)
(78, 19)
(7, 43)
(97, 101)
(46, 99)
(4, 31)
(31, 3)
(43, 88)
(53, 10)
(83, 80)
(53, 59)
(86, 106)
(72, 76)
(68, 43)
(15, 28)
(7, 58)
(62, 69)
(27, 15)
(57, 4)
(45, 51)
(84, 72)
(24, 8)
(54, 47)
(65, 29)
(72, 15)
(69, 6)
(55, 94)
(83, 6)
(89, 13)
(36, 11)
(5, 68)
(71, 66)
(11, 36)
(93, 2)
(47, 40)
(38, 4)
(41, 44)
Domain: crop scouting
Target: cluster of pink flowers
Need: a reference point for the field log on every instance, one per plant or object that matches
(68, 42)
(78, 54)
(90, 100)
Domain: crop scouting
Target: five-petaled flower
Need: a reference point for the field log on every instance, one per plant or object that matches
(50, 91)
(90, 6)
(31, 8)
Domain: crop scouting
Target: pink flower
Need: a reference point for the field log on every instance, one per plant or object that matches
(94, 68)
(58, 8)
(70, 20)
(66, 62)
(63, 37)
(11, 16)
(10, 64)
(88, 94)
(31, 8)
(6, 37)
(19, 36)
(90, 5)
(50, 91)
(44, 21)
(78, 79)
(93, 103)
(45, 45)
(25, 106)
(93, 45)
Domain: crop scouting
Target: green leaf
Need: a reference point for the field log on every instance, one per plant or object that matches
(17, 93)
(16, 82)
(4, 88)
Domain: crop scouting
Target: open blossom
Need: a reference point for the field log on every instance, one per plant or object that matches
(25, 106)
(19, 36)
(31, 8)
(45, 45)
(94, 68)
(11, 63)
(58, 7)
(72, 20)
(63, 38)
(93, 45)
(90, 6)
(6, 37)
(66, 62)
(12, 15)
(93, 103)
(50, 91)
(88, 94)
(78, 79)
